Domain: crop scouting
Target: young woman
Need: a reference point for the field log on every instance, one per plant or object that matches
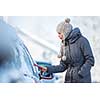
(76, 55)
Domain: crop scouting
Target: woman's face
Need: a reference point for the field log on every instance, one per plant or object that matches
(61, 36)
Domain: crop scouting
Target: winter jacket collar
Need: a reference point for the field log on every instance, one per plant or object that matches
(74, 35)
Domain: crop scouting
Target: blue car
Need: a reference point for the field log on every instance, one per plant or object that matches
(16, 63)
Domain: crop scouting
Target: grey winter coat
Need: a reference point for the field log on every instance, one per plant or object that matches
(79, 59)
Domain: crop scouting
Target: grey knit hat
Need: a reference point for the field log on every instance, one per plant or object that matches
(64, 27)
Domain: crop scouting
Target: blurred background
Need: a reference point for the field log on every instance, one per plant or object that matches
(39, 35)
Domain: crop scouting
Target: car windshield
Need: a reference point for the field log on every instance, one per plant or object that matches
(25, 62)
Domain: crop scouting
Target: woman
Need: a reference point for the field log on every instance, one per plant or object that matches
(76, 55)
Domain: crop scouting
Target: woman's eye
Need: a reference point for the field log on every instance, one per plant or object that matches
(59, 33)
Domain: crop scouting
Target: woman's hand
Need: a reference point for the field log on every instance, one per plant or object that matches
(43, 69)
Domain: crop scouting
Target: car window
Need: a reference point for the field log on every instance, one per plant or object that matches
(26, 62)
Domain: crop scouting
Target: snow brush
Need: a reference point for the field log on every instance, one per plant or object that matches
(41, 73)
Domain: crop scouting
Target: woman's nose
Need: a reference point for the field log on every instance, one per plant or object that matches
(59, 35)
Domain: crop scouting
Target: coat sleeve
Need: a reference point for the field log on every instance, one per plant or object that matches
(88, 58)
(57, 68)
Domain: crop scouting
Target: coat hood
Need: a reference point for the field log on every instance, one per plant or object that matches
(74, 35)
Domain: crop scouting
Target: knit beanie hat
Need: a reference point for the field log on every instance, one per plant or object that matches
(64, 27)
